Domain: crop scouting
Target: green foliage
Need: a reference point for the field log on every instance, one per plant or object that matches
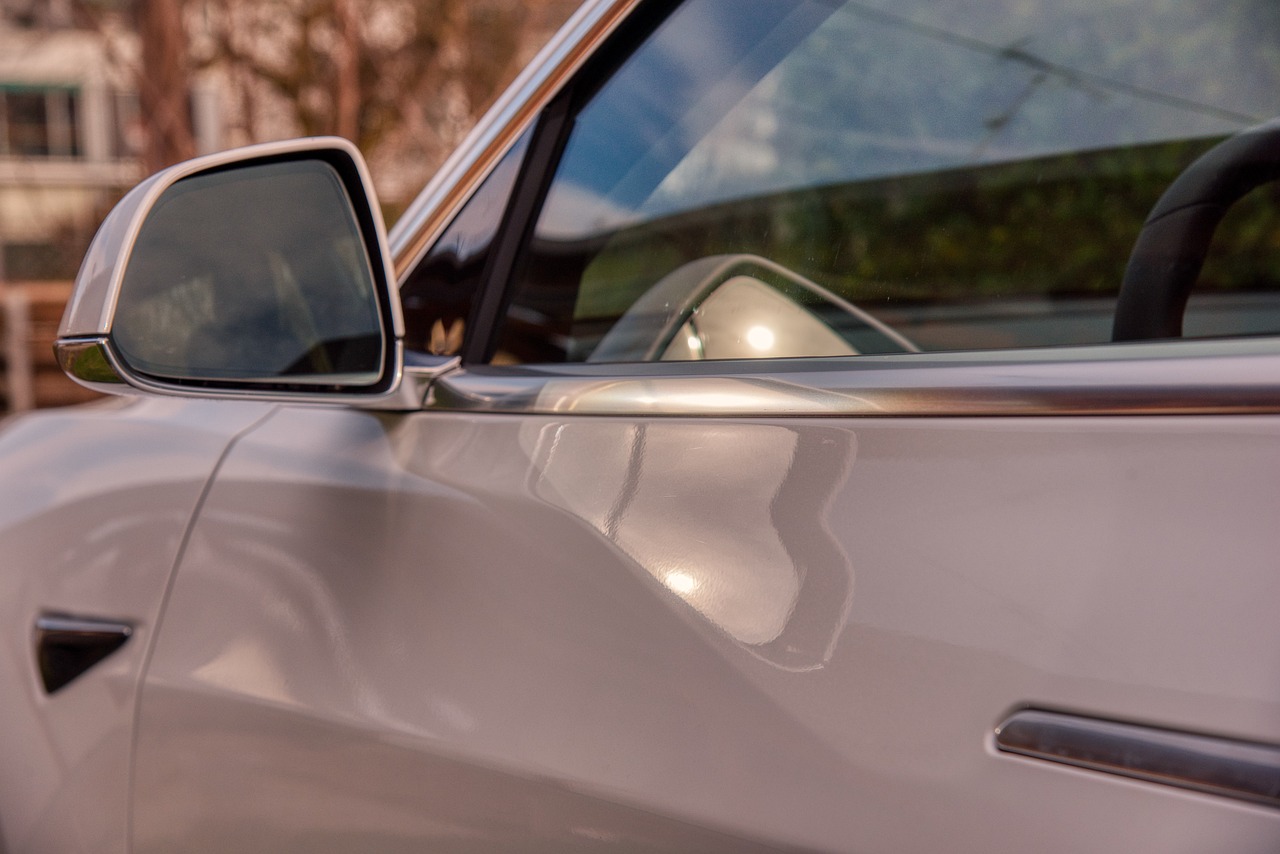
(1048, 227)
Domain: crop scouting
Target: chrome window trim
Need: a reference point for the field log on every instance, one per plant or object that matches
(495, 133)
(82, 625)
(1227, 376)
(1208, 764)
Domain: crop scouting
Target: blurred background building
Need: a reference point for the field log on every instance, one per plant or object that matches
(96, 94)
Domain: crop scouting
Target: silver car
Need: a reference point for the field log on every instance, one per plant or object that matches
(824, 425)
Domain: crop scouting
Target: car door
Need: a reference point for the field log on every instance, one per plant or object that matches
(790, 492)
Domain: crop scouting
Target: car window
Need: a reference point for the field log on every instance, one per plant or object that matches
(438, 294)
(764, 178)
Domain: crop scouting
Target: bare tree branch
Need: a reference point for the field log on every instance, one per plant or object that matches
(164, 90)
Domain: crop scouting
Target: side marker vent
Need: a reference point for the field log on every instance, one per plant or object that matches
(66, 647)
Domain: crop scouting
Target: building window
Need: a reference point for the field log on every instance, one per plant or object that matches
(39, 122)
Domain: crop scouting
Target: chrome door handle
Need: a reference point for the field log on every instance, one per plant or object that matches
(1220, 766)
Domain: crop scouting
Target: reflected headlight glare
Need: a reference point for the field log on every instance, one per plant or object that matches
(679, 582)
(760, 337)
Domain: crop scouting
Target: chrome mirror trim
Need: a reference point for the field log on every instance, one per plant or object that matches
(415, 384)
(94, 363)
(90, 362)
(1209, 764)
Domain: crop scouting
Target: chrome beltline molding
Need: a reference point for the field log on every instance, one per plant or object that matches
(1219, 766)
(498, 130)
(1221, 377)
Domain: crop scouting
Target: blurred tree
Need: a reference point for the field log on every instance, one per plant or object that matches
(164, 84)
(159, 59)
(403, 79)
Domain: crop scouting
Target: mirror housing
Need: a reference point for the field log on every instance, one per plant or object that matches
(739, 306)
(257, 273)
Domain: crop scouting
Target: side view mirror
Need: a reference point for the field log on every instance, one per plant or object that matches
(258, 272)
(740, 307)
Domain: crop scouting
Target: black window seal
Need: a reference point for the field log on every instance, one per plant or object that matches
(534, 181)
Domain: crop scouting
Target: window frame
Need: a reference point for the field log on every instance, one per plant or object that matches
(1184, 377)
(551, 132)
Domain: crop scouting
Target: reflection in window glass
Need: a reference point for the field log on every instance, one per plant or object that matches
(971, 176)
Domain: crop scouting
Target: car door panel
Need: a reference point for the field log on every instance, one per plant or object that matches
(94, 504)
(498, 632)
(518, 565)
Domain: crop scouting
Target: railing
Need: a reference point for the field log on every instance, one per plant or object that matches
(31, 377)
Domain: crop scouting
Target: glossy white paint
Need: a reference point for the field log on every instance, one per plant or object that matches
(550, 633)
(94, 502)
(586, 609)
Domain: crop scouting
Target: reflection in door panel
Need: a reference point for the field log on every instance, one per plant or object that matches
(730, 518)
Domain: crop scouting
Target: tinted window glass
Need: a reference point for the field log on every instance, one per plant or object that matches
(438, 295)
(902, 175)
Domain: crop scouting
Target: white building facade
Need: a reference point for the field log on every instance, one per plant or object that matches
(69, 140)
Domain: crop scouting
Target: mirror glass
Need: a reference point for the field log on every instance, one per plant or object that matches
(253, 273)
